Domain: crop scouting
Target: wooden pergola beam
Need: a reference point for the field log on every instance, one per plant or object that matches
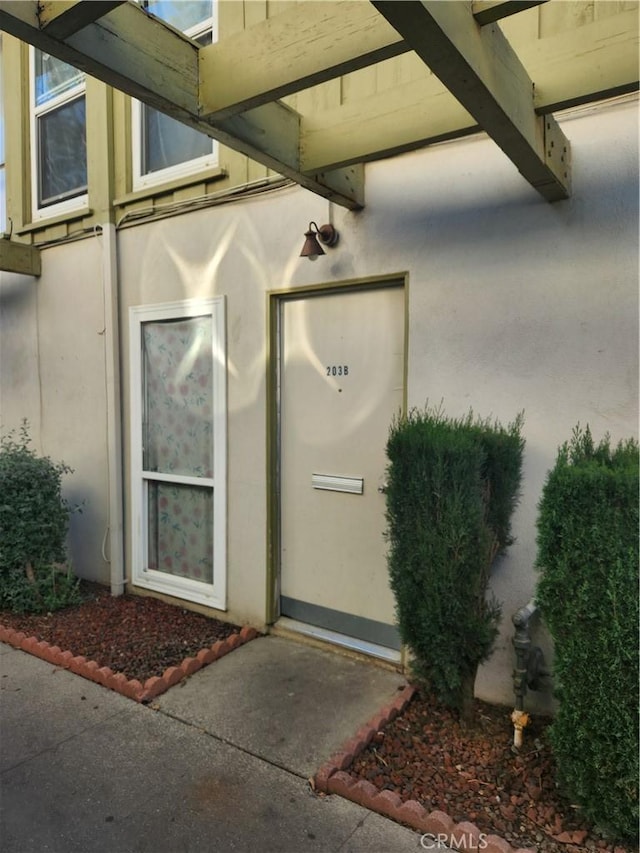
(19, 258)
(386, 124)
(271, 135)
(481, 70)
(145, 58)
(62, 18)
(313, 43)
(489, 11)
(485, 84)
(126, 49)
(595, 61)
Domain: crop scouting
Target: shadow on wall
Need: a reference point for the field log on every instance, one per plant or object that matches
(87, 538)
(19, 367)
(466, 193)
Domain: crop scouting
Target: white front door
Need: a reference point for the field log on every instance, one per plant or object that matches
(341, 384)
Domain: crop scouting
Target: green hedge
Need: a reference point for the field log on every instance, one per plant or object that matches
(588, 593)
(34, 518)
(452, 487)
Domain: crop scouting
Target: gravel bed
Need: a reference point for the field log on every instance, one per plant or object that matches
(132, 634)
(473, 775)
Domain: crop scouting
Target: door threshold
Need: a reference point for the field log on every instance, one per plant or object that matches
(353, 644)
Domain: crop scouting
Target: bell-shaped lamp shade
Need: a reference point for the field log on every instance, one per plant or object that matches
(326, 234)
(311, 248)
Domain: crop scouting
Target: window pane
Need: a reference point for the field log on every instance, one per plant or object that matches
(53, 77)
(180, 520)
(168, 142)
(178, 397)
(62, 152)
(181, 14)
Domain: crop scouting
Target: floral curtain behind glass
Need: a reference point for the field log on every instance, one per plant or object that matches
(177, 439)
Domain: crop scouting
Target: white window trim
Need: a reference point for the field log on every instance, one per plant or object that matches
(189, 167)
(214, 594)
(68, 205)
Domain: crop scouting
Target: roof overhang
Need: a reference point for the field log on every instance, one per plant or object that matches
(474, 79)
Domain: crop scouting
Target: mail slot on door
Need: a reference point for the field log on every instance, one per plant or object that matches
(331, 483)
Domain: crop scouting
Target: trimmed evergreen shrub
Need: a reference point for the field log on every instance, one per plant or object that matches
(452, 487)
(34, 519)
(588, 593)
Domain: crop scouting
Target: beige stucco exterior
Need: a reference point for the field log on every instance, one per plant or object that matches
(513, 305)
(52, 364)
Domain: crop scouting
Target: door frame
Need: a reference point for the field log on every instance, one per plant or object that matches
(214, 594)
(276, 300)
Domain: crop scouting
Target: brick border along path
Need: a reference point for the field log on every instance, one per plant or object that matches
(131, 688)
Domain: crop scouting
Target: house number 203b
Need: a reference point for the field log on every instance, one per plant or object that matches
(338, 370)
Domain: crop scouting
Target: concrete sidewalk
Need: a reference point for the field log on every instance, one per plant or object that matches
(220, 763)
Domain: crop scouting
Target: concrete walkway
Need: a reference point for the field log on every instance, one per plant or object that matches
(219, 763)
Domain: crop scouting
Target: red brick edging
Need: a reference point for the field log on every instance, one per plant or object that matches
(333, 778)
(116, 680)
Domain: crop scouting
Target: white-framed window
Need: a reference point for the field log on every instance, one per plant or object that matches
(58, 136)
(162, 148)
(3, 183)
(178, 449)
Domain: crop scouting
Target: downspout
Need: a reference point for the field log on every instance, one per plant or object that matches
(114, 532)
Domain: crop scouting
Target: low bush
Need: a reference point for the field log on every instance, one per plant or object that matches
(34, 519)
(588, 593)
(452, 487)
(51, 588)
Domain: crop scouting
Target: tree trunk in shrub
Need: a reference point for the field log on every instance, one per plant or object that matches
(466, 698)
(31, 577)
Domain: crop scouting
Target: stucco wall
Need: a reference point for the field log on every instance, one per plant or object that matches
(52, 373)
(19, 388)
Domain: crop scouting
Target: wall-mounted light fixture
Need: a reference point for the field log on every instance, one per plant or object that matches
(327, 235)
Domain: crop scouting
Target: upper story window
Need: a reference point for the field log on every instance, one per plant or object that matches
(58, 136)
(164, 148)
